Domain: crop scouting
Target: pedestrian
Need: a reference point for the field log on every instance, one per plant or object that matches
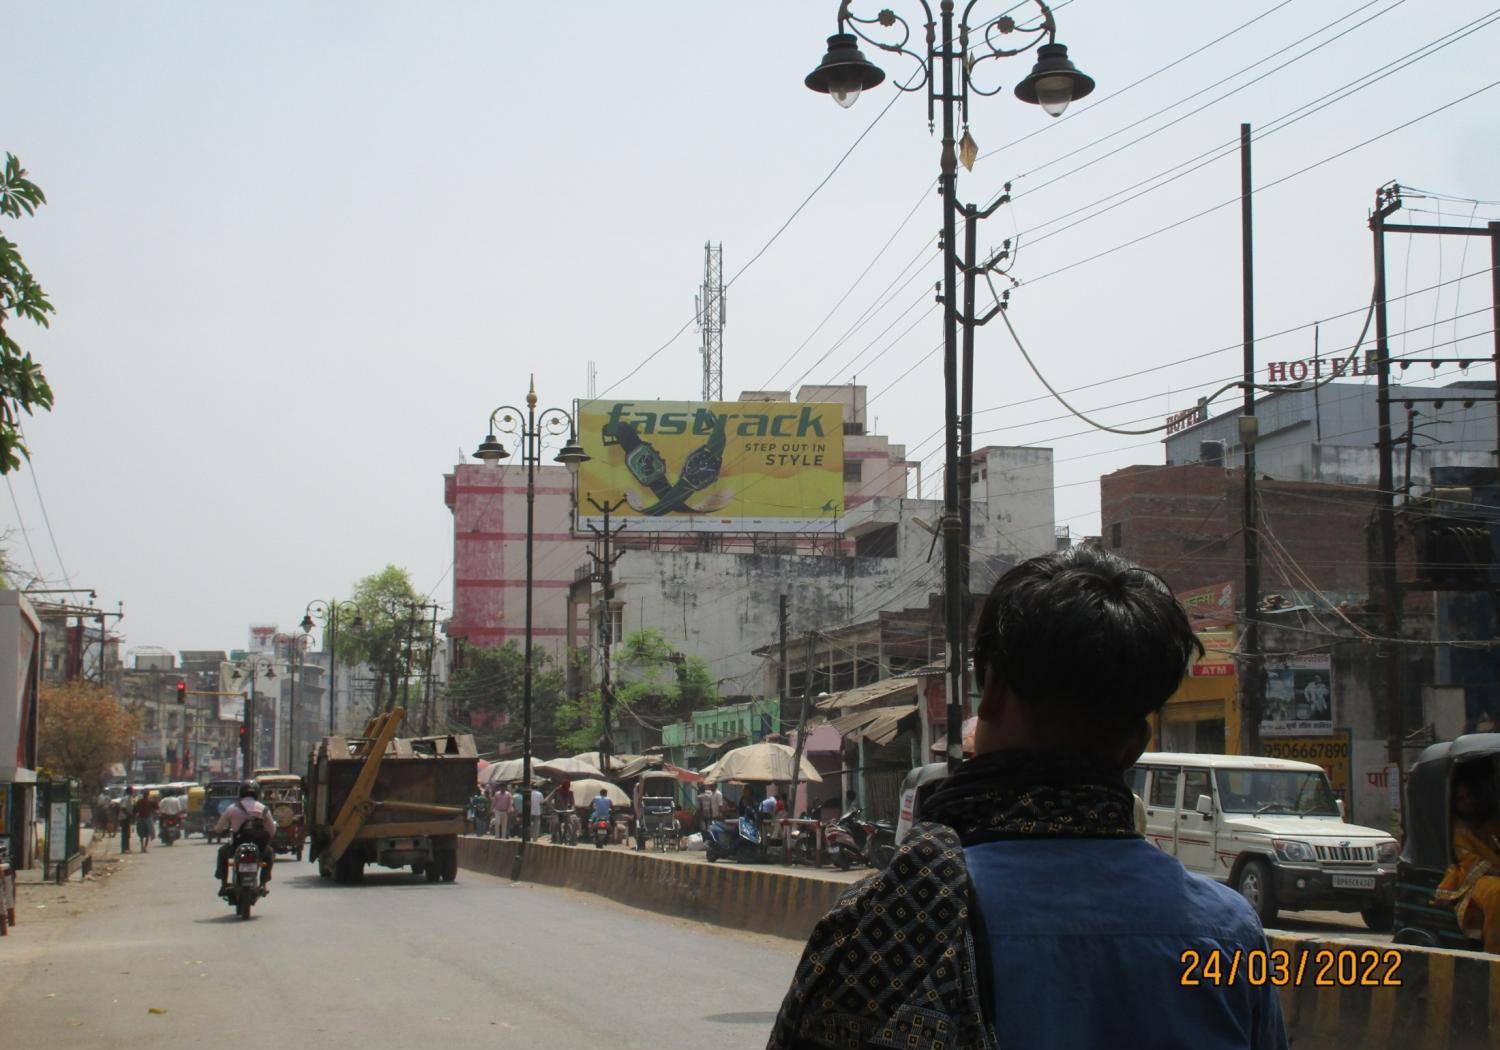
(479, 812)
(145, 815)
(502, 810)
(536, 813)
(1078, 925)
(518, 807)
(123, 815)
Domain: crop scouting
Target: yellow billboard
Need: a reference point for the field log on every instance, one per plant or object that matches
(720, 466)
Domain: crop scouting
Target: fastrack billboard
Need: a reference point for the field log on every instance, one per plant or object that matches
(722, 466)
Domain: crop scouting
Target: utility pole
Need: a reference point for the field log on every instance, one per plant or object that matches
(1387, 200)
(1252, 699)
(604, 564)
(807, 699)
(782, 673)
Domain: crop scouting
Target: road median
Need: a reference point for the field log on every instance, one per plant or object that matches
(1335, 994)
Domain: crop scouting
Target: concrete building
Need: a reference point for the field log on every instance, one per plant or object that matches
(1329, 433)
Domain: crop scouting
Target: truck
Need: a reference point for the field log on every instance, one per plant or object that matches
(393, 801)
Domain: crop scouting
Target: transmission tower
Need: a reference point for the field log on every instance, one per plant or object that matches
(710, 303)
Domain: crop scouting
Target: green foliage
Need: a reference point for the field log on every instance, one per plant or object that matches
(486, 695)
(23, 387)
(654, 684)
(384, 600)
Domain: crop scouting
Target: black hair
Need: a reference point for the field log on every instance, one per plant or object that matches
(1479, 778)
(1088, 642)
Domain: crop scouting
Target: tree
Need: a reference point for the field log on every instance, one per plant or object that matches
(654, 685)
(83, 729)
(486, 695)
(387, 627)
(23, 387)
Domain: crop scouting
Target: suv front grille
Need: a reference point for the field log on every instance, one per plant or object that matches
(1346, 854)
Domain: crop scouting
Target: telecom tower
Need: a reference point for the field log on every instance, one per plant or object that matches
(710, 304)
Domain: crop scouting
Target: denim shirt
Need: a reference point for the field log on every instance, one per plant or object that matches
(1085, 938)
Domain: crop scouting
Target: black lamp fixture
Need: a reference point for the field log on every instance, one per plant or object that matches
(844, 71)
(490, 450)
(307, 623)
(1054, 81)
(572, 454)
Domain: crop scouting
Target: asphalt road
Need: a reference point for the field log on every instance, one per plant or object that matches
(397, 962)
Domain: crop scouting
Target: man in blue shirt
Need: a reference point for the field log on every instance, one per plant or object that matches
(1025, 910)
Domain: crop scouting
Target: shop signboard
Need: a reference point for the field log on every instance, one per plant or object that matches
(718, 466)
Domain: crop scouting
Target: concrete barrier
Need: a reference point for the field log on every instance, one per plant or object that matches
(1335, 994)
(760, 900)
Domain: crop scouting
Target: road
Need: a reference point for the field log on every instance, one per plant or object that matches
(397, 962)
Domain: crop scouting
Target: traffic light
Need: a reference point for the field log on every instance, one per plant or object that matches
(181, 692)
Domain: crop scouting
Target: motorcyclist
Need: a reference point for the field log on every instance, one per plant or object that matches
(262, 829)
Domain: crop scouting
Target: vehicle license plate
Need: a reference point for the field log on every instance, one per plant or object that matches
(1354, 882)
(251, 869)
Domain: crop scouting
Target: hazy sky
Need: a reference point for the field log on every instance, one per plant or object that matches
(299, 251)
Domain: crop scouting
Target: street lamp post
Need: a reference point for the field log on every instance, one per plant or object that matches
(248, 749)
(327, 614)
(530, 427)
(946, 64)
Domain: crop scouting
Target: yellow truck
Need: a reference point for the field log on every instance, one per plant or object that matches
(393, 801)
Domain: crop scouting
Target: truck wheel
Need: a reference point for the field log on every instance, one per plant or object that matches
(1380, 917)
(344, 871)
(449, 859)
(433, 871)
(1254, 884)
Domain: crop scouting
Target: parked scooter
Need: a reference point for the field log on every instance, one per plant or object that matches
(740, 840)
(171, 828)
(247, 877)
(852, 840)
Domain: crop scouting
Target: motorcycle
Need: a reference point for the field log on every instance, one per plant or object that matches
(740, 840)
(600, 827)
(851, 840)
(247, 879)
(171, 828)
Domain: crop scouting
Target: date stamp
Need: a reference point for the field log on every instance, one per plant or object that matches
(1279, 968)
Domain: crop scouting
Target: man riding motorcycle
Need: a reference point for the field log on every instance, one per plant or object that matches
(261, 829)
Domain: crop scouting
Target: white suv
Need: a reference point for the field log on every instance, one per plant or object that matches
(1270, 828)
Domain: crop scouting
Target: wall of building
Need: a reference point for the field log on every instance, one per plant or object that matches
(1013, 515)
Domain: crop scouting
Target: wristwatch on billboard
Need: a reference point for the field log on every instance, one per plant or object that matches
(644, 462)
(701, 467)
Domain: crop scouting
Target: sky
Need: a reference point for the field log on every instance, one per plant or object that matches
(300, 251)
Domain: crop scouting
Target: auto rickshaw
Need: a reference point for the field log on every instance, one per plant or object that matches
(282, 794)
(197, 794)
(1428, 847)
(221, 795)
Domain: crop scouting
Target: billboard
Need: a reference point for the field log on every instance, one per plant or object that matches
(720, 466)
(1217, 660)
(1332, 751)
(1211, 606)
(1299, 696)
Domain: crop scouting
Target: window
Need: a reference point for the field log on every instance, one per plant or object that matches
(877, 543)
(853, 470)
(854, 429)
(1164, 787)
(1137, 781)
(1114, 534)
(1195, 782)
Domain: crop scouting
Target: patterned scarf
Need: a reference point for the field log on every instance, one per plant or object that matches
(894, 963)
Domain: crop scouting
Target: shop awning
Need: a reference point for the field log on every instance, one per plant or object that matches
(882, 694)
(878, 725)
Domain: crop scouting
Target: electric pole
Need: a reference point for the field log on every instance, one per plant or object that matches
(1252, 700)
(604, 564)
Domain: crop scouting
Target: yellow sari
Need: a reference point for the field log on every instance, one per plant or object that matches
(1473, 880)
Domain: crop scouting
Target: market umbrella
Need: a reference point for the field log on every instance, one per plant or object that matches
(762, 763)
(616, 762)
(483, 768)
(507, 772)
(566, 768)
(586, 790)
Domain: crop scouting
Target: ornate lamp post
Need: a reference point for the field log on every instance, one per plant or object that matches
(948, 56)
(327, 614)
(530, 427)
(251, 669)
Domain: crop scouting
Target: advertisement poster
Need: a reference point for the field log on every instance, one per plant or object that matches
(721, 466)
(1299, 696)
(1332, 751)
(57, 833)
(231, 708)
(1211, 606)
